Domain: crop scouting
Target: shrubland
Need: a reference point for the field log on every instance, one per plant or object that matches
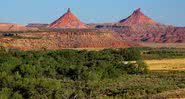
(81, 74)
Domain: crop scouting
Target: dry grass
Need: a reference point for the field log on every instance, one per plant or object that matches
(166, 64)
(174, 94)
(158, 45)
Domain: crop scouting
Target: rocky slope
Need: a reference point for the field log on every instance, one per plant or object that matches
(137, 18)
(153, 33)
(68, 20)
(138, 27)
(66, 39)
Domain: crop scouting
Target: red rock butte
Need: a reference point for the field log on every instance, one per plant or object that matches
(137, 18)
(68, 20)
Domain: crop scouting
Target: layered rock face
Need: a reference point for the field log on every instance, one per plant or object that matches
(138, 27)
(152, 33)
(93, 39)
(37, 25)
(14, 27)
(137, 18)
(68, 20)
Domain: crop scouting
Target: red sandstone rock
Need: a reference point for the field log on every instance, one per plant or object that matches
(137, 18)
(68, 20)
(152, 33)
(93, 39)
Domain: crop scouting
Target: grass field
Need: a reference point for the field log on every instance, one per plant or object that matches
(166, 64)
(158, 45)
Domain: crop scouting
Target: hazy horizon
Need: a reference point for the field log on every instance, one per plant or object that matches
(34, 11)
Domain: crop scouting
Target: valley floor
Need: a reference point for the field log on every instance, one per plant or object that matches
(93, 74)
(166, 64)
(159, 45)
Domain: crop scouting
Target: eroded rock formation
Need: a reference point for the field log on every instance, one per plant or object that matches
(93, 39)
(139, 27)
(137, 18)
(68, 20)
(152, 33)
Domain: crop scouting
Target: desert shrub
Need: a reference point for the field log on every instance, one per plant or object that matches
(5, 93)
(138, 67)
(161, 53)
(64, 73)
(17, 95)
(130, 54)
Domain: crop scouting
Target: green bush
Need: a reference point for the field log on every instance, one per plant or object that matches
(63, 73)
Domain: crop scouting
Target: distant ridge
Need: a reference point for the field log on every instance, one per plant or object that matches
(137, 18)
(37, 25)
(68, 20)
(14, 27)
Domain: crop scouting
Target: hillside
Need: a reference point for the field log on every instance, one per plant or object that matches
(153, 33)
(65, 39)
(140, 28)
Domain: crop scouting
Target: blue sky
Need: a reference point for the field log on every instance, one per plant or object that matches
(91, 11)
